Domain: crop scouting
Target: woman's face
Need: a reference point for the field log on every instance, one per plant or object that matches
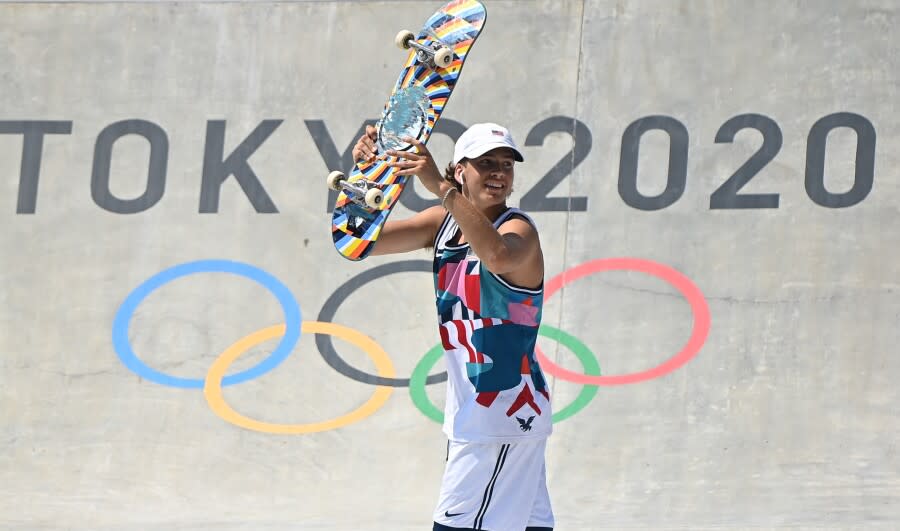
(487, 180)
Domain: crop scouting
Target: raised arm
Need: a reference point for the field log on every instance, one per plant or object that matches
(512, 251)
(400, 236)
(411, 234)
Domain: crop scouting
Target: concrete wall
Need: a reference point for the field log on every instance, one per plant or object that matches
(683, 159)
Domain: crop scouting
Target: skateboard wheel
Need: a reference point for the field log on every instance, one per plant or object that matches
(443, 57)
(402, 39)
(334, 180)
(374, 197)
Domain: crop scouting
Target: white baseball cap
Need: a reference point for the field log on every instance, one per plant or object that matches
(481, 138)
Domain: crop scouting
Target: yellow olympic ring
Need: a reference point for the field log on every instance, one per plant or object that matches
(212, 388)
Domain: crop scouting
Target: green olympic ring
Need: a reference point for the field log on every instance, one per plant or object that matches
(585, 356)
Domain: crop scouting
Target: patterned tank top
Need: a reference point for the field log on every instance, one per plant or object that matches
(496, 391)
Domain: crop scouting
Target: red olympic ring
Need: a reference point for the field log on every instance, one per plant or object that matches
(683, 284)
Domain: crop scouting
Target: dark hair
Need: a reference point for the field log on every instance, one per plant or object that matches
(450, 175)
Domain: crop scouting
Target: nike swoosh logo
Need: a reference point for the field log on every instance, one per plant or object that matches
(448, 514)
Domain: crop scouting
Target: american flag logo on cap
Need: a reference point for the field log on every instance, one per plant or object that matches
(497, 133)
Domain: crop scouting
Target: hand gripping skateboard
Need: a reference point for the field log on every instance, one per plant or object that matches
(436, 56)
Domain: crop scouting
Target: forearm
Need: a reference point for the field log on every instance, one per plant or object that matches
(488, 244)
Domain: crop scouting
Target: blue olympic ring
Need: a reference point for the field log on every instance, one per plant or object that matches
(289, 305)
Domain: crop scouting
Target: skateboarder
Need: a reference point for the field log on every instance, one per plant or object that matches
(488, 276)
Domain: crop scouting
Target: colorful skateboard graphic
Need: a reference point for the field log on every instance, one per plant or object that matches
(435, 60)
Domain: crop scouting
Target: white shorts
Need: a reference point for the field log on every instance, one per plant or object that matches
(495, 487)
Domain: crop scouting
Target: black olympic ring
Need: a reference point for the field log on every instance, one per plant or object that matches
(330, 308)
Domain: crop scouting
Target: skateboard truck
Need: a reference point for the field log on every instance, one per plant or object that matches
(362, 192)
(436, 55)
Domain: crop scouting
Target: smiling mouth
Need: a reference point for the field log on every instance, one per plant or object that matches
(495, 186)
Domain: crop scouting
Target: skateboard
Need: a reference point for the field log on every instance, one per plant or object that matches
(435, 59)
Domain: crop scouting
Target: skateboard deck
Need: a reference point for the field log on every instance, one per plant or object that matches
(436, 56)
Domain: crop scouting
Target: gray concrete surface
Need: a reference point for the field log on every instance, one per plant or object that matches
(786, 418)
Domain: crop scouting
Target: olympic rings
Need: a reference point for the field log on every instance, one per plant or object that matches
(587, 358)
(123, 317)
(683, 284)
(384, 379)
(213, 388)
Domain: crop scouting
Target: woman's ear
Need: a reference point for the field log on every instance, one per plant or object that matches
(458, 174)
